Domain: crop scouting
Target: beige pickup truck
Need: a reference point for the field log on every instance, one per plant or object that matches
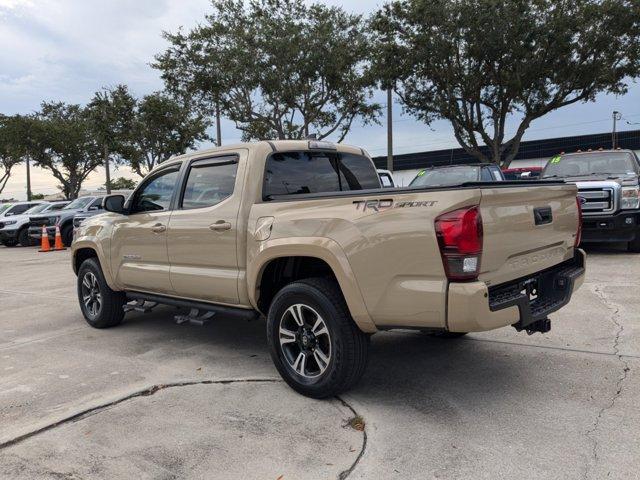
(301, 232)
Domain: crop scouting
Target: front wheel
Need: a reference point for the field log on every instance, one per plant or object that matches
(315, 344)
(67, 235)
(101, 306)
(23, 238)
(634, 245)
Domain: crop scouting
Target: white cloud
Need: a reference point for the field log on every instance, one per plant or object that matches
(68, 49)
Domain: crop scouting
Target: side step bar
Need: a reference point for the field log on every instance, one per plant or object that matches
(222, 310)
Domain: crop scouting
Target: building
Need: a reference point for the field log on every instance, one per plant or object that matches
(532, 153)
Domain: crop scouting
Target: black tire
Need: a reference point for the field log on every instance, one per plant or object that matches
(23, 238)
(347, 345)
(444, 334)
(110, 312)
(634, 245)
(67, 235)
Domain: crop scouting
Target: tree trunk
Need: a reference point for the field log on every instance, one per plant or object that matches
(106, 168)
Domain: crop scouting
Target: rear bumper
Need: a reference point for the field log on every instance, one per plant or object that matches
(474, 307)
(621, 227)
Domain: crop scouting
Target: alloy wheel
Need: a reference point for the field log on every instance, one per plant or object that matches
(305, 340)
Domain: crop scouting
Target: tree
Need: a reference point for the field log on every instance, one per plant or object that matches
(193, 72)
(483, 63)
(122, 183)
(162, 127)
(111, 112)
(279, 68)
(37, 196)
(63, 143)
(14, 147)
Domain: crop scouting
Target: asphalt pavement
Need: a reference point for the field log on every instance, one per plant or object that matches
(153, 399)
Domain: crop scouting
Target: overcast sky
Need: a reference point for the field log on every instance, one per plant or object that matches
(68, 49)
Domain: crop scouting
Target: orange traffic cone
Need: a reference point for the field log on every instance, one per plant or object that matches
(44, 241)
(58, 245)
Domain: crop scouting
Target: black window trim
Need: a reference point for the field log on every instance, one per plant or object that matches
(303, 196)
(161, 171)
(220, 159)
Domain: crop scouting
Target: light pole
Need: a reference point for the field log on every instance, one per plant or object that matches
(616, 116)
(389, 129)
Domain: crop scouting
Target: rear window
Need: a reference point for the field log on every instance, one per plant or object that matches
(446, 176)
(291, 173)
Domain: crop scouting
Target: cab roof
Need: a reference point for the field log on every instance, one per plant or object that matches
(271, 146)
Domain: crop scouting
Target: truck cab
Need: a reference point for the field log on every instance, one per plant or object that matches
(608, 191)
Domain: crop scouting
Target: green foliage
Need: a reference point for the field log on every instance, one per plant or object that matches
(63, 142)
(37, 196)
(162, 127)
(123, 183)
(111, 115)
(278, 68)
(14, 134)
(481, 63)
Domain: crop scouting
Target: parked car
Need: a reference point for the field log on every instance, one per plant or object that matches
(386, 178)
(11, 209)
(522, 173)
(609, 192)
(302, 233)
(457, 174)
(15, 230)
(63, 219)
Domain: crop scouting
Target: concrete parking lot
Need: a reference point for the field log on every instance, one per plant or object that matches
(152, 399)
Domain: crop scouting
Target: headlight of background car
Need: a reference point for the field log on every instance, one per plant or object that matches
(10, 222)
(630, 198)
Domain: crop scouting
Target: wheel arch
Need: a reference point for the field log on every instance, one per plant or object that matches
(283, 261)
(84, 250)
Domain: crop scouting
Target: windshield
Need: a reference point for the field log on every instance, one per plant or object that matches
(579, 164)
(37, 209)
(5, 207)
(446, 176)
(79, 203)
(57, 206)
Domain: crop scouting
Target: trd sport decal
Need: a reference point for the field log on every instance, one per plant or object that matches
(386, 203)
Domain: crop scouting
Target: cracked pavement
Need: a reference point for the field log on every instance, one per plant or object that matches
(152, 399)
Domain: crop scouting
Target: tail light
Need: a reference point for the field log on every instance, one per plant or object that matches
(579, 231)
(459, 236)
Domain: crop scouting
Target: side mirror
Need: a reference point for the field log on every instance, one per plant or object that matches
(113, 203)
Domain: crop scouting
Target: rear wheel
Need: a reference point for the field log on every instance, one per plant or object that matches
(101, 306)
(315, 345)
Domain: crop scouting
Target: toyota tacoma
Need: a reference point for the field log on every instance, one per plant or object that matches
(302, 233)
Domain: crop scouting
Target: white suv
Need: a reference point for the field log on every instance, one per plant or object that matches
(14, 220)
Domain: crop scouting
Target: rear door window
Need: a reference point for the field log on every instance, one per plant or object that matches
(291, 173)
(209, 183)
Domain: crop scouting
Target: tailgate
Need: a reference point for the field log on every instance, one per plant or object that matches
(526, 229)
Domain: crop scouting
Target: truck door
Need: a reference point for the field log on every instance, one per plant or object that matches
(203, 231)
(139, 241)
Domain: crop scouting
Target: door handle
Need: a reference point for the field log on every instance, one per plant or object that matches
(158, 228)
(219, 226)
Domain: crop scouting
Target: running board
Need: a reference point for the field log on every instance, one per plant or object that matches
(201, 307)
